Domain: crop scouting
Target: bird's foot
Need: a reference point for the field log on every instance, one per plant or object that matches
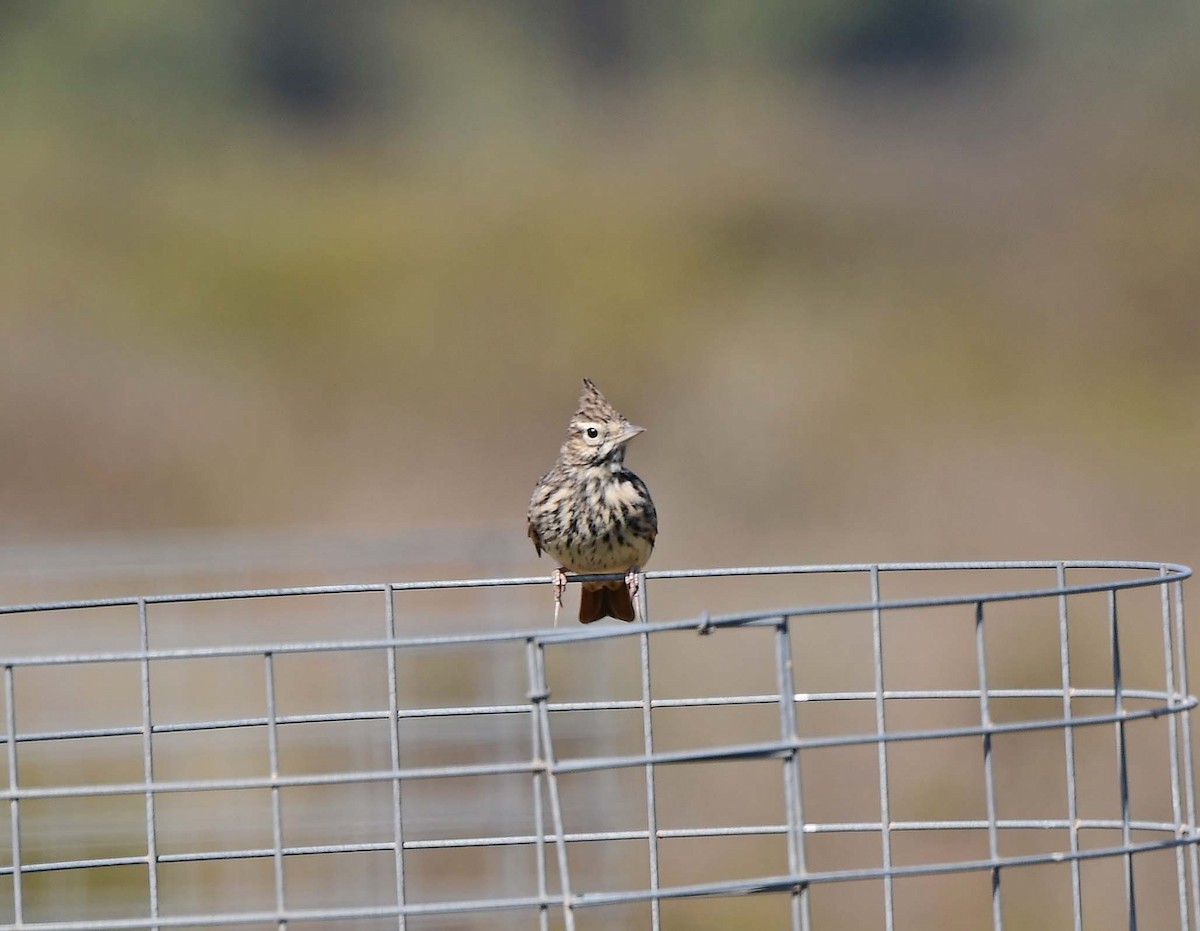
(558, 579)
(633, 581)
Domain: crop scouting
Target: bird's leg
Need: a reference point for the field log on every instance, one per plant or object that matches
(633, 583)
(559, 579)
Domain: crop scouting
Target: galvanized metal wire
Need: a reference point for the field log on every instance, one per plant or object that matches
(545, 888)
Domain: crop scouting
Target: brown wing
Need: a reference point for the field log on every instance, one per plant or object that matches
(650, 532)
(533, 535)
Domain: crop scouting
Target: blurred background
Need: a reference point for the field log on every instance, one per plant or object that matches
(296, 292)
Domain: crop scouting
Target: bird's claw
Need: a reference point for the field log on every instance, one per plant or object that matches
(633, 581)
(558, 579)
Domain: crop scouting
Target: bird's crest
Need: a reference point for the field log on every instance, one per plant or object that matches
(594, 407)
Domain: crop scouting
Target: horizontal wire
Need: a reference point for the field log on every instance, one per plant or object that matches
(216, 919)
(338, 717)
(739, 887)
(771, 749)
(787, 883)
(704, 622)
(764, 750)
(524, 840)
(1169, 572)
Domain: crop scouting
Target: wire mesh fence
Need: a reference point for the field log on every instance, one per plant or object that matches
(1003, 743)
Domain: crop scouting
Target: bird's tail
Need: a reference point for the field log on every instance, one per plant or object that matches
(605, 599)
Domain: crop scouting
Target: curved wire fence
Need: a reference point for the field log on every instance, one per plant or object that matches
(1006, 742)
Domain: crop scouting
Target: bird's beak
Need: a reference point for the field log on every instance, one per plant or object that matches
(629, 433)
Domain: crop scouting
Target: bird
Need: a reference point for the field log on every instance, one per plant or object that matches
(592, 514)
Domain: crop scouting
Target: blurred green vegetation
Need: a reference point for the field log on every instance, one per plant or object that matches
(275, 241)
(253, 250)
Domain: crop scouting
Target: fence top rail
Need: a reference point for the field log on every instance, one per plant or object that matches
(1163, 573)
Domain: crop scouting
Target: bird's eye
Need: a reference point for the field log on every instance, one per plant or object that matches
(592, 433)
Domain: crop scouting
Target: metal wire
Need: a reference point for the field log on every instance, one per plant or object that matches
(554, 827)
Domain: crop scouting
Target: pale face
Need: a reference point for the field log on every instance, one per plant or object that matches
(592, 443)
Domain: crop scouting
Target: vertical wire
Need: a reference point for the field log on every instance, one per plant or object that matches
(539, 763)
(394, 740)
(989, 776)
(1064, 656)
(1168, 638)
(801, 909)
(276, 801)
(539, 696)
(648, 747)
(14, 805)
(885, 814)
(1188, 772)
(1189, 784)
(507, 796)
(148, 762)
(1122, 762)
